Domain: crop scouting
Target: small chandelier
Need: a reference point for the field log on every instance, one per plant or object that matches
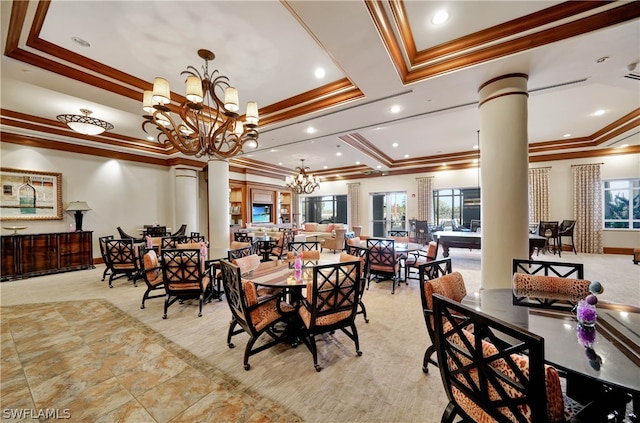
(303, 183)
(207, 126)
(84, 123)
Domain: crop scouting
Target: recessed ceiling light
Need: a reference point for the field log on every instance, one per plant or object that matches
(273, 150)
(338, 154)
(602, 59)
(311, 130)
(598, 112)
(444, 164)
(319, 73)
(325, 167)
(406, 156)
(440, 17)
(475, 147)
(475, 161)
(150, 138)
(395, 144)
(357, 163)
(624, 145)
(566, 135)
(394, 109)
(378, 167)
(280, 164)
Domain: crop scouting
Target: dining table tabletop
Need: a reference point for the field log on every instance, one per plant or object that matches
(611, 355)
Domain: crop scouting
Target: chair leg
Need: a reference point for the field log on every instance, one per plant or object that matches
(363, 311)
(144, 297)
(314, 352)
(200, 304)
(232, 325)
(166, 306)
(247, 352)
(427, 358)
(449, 413)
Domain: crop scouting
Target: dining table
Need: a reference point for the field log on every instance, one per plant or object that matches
(265, 246)
(598, 361)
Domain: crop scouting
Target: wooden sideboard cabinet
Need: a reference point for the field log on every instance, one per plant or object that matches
(29, 255)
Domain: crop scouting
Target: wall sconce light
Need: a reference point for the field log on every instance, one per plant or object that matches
(78, 207)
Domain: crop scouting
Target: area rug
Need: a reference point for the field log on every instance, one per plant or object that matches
(89, 361)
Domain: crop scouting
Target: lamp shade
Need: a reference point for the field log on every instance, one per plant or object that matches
(78, 206)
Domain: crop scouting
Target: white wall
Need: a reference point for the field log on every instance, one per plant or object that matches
(120, 193)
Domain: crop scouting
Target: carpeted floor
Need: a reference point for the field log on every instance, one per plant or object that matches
(70, 342)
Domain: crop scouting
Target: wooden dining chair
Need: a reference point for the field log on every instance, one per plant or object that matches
(122, 257)
(353, 253)
(102, 242)
(255, 315)
(310, 251)
(384, 264)
(331, 303)
(437, 277)
(182, 230)
(494, 371)
(185, 277)
(151, 270)
(566, 230)
(416, 258)
(280, 250)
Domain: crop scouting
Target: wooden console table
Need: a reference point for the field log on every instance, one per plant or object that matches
(29, 255)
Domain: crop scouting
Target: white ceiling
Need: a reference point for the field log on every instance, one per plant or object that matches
(270, 49)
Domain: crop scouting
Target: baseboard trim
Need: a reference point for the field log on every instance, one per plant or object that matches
(618, 250)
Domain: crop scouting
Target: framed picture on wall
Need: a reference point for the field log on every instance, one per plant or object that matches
(30, 195)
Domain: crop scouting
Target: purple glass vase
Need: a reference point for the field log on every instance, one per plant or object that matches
(586, 314)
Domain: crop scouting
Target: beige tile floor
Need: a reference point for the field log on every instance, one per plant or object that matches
(71, 343)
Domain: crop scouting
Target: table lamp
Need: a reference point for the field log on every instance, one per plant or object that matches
(78, 207)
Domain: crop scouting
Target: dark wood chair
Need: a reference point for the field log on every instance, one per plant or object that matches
(254, 315)
(494, 371)
(169, 242)
(437, 277)
(237, 253)
(182, 231)
(191, 239)
(417, 258)
(156, 231)
(102, 242)
(151, 270)
(310, 252)
(185, 277)
(566, 231)
(362, 254)
(474, 225)
(331, 303)
(280, 250)
(124, 235)
(549, 230)
(422, 234)
(384, 264)
(242, 237)
(548, 284)
(122, 256)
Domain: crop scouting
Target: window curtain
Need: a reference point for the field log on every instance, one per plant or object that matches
(587, 208)
(539, 194)
(353, 192)
(295, 209)
(425, 198)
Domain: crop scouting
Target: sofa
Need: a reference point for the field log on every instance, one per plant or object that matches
(322, 231)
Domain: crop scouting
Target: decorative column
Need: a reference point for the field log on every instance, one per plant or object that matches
(186, 204)
(504, 164)
(218, 190)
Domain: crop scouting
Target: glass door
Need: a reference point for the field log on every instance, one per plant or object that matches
(388, 212)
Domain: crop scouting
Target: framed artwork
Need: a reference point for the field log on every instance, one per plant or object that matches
(30, 195)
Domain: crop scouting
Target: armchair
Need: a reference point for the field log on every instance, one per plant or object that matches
(121, 254)
(156, 231)
(335, 243)
(102, 241)
(494, 371)
(185, 277)
(151, 272)
(417, 258)
(255, 315)
(310, 252)
(362, 254)
(549, 230)
(182, 231)
(124, 235)
(280, 250)
(331, 303)
(384, 264)
(566, 231)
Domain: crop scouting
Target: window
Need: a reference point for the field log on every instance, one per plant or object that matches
(330, 208)
(622, 204)
(459, 204)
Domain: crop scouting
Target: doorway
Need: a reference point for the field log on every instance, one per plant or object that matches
(388, 212)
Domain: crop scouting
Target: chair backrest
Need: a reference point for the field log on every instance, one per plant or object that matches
(548, 284)
(234, 291)
(304, 246)
(123, 234)
(237, 253)
(242, 237)
(492, 370)
(381, 253)
(192, 234)
(149, 264)
(399, 234)
(156, 231)
(121, 253)
(334, 293)
(434, 269)
(355, 241)
(450, 285)
(182, 269)
(548, 229)
(287, 236)
(474, 225)
(239, 244)
(432, 250)
(363, 254)
(191, 239)
(181, 231)
(102, 241)
(566, 227)
(170, 242)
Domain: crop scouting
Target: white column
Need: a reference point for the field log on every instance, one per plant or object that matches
(504, 177)
(218, 203)
(186, 204)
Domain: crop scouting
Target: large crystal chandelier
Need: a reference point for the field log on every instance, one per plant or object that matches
(303, 183)
(206, 125)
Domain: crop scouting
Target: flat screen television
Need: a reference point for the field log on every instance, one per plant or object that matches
(261, 213)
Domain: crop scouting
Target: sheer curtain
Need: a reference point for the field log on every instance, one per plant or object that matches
(425, 198)
(538, 194)
(354, 203)
(587, 208)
